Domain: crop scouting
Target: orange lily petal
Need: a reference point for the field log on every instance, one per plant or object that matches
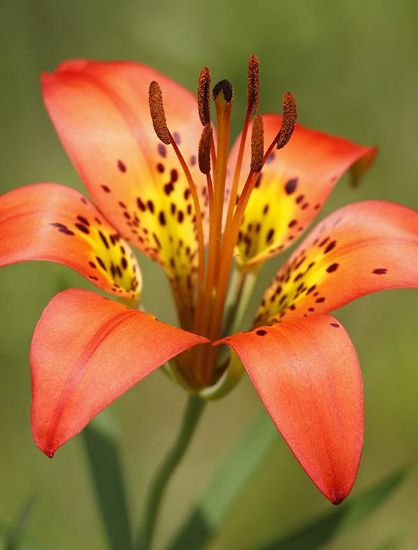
(294, 184)
(112, 348)
(47, 221)
(359, 249)
(307, 374)
(101, 113)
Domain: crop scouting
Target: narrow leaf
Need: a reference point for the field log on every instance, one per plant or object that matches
(14, 537)
(324, 529)
(205, 520)
(25, 543)
(102, 451)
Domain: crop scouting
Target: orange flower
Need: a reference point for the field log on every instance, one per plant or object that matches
(185, 202)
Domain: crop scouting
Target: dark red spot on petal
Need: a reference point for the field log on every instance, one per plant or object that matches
(291, 186)
(269, 235)
(101, 263)
(333, 267)
(84, 220)
(174, 175)
(104, 240)
(121, 166)
(261, 332)
(162, 150)
(380, 271)
(82, 228)
(161, 218)
(330, 247)
(140, 204)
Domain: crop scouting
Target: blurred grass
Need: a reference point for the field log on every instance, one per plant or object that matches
(352, 67)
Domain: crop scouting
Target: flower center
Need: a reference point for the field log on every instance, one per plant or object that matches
(226, 205)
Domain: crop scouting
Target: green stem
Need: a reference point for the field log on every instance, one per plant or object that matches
(242, 287)
(194, 409)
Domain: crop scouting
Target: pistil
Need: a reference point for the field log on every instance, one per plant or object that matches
(223, 96)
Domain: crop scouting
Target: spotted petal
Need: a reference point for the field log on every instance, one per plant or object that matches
(101, 113)
(307, 374)
(294, 184)
(112, 348)
(47, 221)
(359, 249)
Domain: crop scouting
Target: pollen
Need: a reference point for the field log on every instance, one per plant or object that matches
(253, 84)
(289, 120)
(257, 144)
(204, 149)
(203, 96)
(157, 113)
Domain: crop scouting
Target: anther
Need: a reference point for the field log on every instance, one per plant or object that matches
(225, 87)
(203, 96)
(156, 106)
(288, 121)
(204, 149)
(253, 84)
(257, 144)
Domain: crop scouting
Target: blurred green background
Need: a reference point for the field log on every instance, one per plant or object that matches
(353, 68)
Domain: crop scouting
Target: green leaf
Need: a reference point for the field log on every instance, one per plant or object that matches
(244, 459)
(26, 542)
(392, 543)
(101, 442)
(17, 530)
(14, 536)
(321, 531)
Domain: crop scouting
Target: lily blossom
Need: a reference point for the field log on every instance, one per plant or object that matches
(163, 181)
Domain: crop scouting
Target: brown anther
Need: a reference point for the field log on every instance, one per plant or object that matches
(156, 106)
(204, 149)
(257, 144)
(253, 84)
(225, 87)
(288, 121)
(203, 96)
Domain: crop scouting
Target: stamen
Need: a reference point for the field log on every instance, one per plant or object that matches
(253, 84)
(289, 120)
(204, 149)
(225, 87)
(253, 88)
(203, 96)
(257, 144)
(233, 224)
(161, 129)
(156, 106)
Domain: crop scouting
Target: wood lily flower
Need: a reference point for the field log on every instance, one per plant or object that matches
(167, 185)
